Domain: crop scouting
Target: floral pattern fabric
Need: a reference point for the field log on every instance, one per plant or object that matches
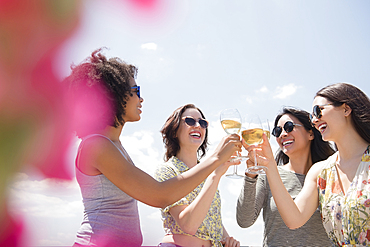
(346, 216)
(211, 227)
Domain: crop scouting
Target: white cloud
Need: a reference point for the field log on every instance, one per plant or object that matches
(149, 46)
(249, 100)
(140, 147)
(46, 198)
(263, 89)
(285, 91)
(258, 94)
(52, 209)
(234, 185)
(215, 134)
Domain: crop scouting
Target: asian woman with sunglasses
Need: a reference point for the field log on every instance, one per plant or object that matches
(340, 185)
(195, 220)
(300, 145)
(105, 96)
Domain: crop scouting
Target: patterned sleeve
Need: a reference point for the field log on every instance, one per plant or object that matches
(165, 172)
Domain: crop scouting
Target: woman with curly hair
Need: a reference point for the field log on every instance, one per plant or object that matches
(105, 96)
(300, 146)
(339, 185)
(195, 220)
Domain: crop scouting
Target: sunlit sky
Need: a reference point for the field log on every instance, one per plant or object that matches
(257, 56)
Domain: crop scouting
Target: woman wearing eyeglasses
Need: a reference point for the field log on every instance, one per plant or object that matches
(300, 145)
(194, 220)
(340, 185)
(105, 97)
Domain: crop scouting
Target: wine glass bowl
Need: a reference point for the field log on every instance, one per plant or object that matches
(231, 122)
(266, 128)
(253, 136)
(231, 126)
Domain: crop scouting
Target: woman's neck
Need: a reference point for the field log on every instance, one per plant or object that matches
(298, 164)
(188, 156)
(351, 146)
(113, 133)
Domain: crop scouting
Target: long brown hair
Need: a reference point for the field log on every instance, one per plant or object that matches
(344, 93)
(320, 149)
(169, 133)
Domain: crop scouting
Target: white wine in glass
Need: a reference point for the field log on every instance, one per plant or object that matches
(266, 128)
(253, 136)
(231, 126)
(267, 132)
(231, 122)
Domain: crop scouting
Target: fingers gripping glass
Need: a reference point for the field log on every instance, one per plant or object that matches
(192, 122)
(231, 122)
(317, 111)
(288, 127)
(137, 90)
(253, 135)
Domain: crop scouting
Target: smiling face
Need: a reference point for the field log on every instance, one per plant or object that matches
(296, 141)
(133, 105)
(191, 136)
(332, 120)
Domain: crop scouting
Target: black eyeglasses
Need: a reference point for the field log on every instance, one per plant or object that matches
(137, 90)
(191, 122)
(317, 111)
(288, 127)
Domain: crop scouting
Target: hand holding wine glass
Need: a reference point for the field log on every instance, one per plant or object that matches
(253, 136)
(231, 122)
(261, 154)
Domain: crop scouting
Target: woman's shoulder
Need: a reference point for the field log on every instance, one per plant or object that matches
(92, 150)
(166, 170)
(318, 167)
(95, 140)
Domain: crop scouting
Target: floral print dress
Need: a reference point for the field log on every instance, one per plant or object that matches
(211, 227)
(346, 217)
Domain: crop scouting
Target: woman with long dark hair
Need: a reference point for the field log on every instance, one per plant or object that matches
(300, 146)
(339, 185)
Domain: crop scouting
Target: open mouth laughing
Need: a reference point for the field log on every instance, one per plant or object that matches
(287, 142)
(195, 134)
(322, 127)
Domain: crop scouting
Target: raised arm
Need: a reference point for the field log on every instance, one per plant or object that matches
(190, 217)
(295, 213)
(251, 200)
(106, 158)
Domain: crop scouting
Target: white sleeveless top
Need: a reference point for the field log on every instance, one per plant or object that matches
(111, 217)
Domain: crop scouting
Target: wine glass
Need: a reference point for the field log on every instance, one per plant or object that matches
(266, 128)
(253, 136)
(231, 122)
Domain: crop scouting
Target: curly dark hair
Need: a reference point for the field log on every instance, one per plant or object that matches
(320, 149)
(344, 93)
(169, 133)
(110, 78)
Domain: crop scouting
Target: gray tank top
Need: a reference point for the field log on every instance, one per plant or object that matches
(111, 217)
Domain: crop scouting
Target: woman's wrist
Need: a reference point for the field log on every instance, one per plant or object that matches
(251, 175)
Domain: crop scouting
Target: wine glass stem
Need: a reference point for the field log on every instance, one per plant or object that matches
(235, 169)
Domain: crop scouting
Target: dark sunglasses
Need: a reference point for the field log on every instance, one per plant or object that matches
(191, 122)
(317, 111)
(288, 127)
(137, 90)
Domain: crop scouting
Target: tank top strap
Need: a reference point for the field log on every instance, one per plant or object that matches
(123, 151)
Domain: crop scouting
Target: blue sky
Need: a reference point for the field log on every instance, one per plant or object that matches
(256, 56)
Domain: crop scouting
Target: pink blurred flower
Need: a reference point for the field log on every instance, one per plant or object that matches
(33, 119)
